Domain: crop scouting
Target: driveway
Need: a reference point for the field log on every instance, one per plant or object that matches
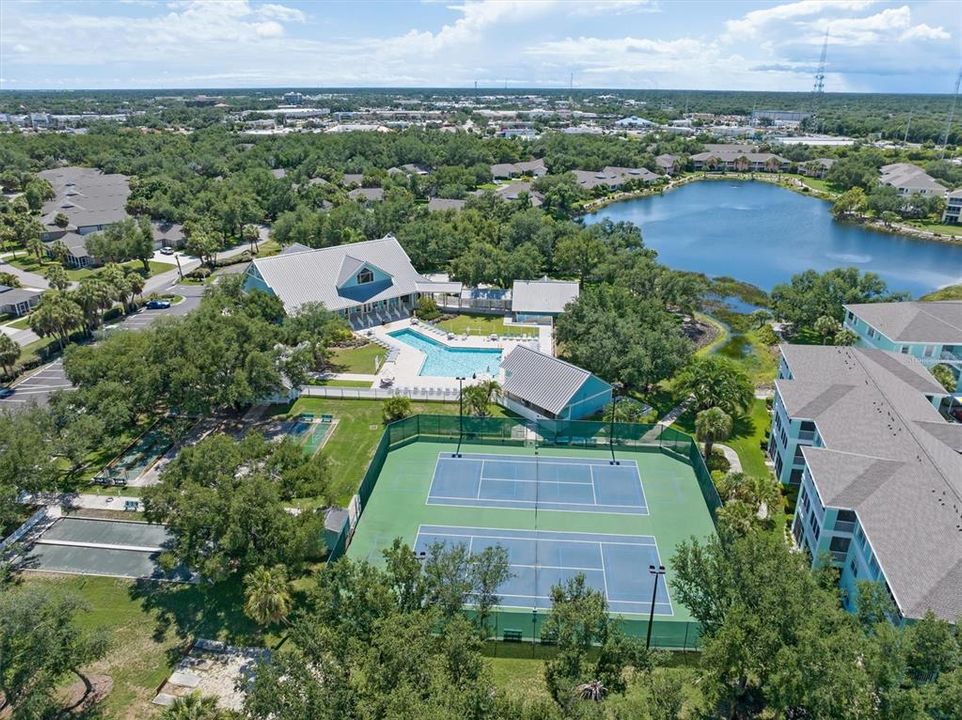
(27, 279)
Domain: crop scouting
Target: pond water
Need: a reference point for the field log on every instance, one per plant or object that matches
(763, 234)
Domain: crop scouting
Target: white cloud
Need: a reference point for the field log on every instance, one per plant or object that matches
(754, 22)
(925, 32)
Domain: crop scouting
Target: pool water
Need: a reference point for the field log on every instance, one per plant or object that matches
(444, 361)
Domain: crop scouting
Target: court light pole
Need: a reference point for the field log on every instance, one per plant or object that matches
(615, 389)
(460, 380)
(534, 629)
(657, 572)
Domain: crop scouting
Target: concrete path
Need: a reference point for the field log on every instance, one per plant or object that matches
(675, 413)
(28, 279)
(21, 336)
(734, 462)
(98, 502)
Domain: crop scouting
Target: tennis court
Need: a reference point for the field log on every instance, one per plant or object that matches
(548, 483)
(114, 548)
(616, 565)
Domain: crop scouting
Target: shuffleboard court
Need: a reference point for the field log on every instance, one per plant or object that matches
(114, 548)
(616, 565)
(545, 483)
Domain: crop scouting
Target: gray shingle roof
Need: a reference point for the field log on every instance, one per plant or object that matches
(540, 379)
(542, 296)
(889, 456)
(910, 177)
(313, 275)
(919, 322)
(86, 196)
(435, 204)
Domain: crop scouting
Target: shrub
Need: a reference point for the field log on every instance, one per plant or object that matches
(718, 462)
(199, 273)
(396, 408)
(767, 336)
(427, 309)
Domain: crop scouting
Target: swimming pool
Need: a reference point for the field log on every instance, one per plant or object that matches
(444, 361)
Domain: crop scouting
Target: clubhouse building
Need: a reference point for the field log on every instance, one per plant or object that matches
(368, 283)
(879, 471)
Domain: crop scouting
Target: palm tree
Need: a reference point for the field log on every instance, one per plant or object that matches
(57, 277)
(712, 425)
(60, 251)
(193, 707)
(593, 690)
(93, 296)
(251, 234)
(9, 353)
(714, 381)
(57, 315)
(478, 397)
(267, 595)
(35, 245)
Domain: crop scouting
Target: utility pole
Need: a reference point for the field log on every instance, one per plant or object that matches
(948, 123)
(819, 87)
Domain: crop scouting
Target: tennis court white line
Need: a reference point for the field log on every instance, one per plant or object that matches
(594, 495)
(556, 567)
(604, 575)
(585, 508)
(644, 604)
(539, 481)
(557, 532)
(536, 502)
(582, 542)
(480, 480)
(525, 459)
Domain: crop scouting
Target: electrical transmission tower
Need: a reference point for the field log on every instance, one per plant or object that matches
(948, 123)
(819, 87)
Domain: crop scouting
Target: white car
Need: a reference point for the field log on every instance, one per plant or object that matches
(167, 250)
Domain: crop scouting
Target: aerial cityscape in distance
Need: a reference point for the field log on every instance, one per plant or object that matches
(506, 359)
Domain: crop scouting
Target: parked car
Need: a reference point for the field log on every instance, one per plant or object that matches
(158, 304)
(167, 250)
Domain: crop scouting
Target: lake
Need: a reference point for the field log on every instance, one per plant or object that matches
(763, 234)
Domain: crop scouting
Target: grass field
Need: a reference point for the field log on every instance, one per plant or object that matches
(358, 430)
(151, 627)
(341, 383)
(748, 433)
(485, 325)
(398, 507)
(358, 359)
(31, 264)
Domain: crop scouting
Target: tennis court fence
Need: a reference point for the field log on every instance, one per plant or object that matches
(636, 437)
(625, 437)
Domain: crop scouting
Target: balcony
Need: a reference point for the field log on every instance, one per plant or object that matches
(951, 355)
(838, 556)
(844, 526)
(806, 436)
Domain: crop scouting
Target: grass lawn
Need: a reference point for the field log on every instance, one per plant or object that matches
(21, 323)
(485, 325)
(30, 264)
(953, 230)
(266, 249)
(359, 428)
(720, 339)
(358, 359)
(518, 671)
(341, 383)
(950, 292)
(747, 435)
(151, 626)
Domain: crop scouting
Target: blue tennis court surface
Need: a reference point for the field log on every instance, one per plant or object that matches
(548, 483)
(617, 565)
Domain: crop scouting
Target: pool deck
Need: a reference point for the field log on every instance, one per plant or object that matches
(406, 368)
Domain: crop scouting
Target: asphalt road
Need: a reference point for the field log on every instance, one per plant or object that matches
(37, 386)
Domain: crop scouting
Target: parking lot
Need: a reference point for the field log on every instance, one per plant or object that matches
(36, 387)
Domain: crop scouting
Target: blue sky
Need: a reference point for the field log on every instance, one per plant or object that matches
(874, 46)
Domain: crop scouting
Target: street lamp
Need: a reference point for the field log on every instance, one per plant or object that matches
(657, 572)
(460, 380)
(615, 389)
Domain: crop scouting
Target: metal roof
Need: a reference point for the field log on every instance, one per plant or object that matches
(545, 296)
(313, 275)
(540, 379)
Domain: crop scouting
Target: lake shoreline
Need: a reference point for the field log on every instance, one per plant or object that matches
(797, 187)
(761, 234)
